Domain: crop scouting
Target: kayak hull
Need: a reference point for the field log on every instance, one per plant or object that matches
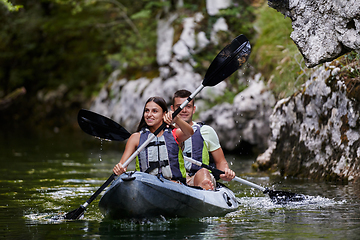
(140, 195)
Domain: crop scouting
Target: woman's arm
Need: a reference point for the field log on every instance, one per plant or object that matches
(130, 148)
(184, 130)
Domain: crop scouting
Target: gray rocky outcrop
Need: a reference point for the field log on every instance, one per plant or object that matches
(316, 132)
(323, 29)
(244, 121)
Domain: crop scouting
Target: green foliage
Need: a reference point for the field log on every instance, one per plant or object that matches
(45, 45)
(52, 42)
(146, 13)
(137, 41)
(10, 6)
(240, 18)
(276, 55)
(351, 64)
(230, 95)
(72, 44)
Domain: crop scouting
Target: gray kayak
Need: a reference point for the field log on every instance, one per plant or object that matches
(140, 195)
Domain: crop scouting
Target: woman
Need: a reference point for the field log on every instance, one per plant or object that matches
(162, 156)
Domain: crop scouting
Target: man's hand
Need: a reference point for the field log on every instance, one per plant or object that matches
(228, 176)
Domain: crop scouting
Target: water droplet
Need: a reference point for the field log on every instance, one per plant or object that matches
(101, 148)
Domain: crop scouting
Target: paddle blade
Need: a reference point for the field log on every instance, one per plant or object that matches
(75, 214)
(230, 59)
(282, 197)
(100, 126)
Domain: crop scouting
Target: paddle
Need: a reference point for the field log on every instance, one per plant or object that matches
(276, 196)
(231, 58)
(100, 126)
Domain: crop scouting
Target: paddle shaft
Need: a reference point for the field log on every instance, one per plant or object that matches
(218, 172)
(105, 184)
(276, 196)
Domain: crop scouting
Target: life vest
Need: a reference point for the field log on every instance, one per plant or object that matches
(161, 156)
(195, 148)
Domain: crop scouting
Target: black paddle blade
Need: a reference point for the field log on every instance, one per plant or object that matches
(230, 59)
(75, 214)
(282, 197)
(100, 126)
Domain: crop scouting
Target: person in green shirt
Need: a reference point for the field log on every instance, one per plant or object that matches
(203, 146)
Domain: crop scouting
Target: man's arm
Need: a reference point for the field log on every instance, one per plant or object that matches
(222, 164)
(219, 159)
(216, 151)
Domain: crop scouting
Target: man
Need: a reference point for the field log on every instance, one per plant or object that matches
(203, 141)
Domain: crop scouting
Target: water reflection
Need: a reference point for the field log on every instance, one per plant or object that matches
(171, 229)
(42, 178)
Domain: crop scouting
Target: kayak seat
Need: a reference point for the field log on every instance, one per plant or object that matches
(196, 187)
(129, 177)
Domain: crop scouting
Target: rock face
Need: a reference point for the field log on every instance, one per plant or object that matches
(244, 121)
(316, 132)
(323, 29)
(123, 99)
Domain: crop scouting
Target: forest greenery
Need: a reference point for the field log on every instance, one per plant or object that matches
(46, 45)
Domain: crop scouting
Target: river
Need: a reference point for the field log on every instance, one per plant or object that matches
(44, 176)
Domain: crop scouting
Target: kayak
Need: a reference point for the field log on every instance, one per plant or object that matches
(139, 195)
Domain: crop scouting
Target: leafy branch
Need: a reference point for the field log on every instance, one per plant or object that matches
(10, 6)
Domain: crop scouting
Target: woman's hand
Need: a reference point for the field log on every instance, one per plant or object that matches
(228, 176)
(168, 118)
(119, 169)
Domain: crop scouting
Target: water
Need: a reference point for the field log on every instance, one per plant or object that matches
(44, 176)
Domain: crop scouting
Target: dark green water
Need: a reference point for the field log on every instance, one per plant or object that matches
(44, 176)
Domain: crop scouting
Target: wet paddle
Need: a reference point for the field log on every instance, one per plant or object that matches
(101, 127)
(275, 196)
(229, 59)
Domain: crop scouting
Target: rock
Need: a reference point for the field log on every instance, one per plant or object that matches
(165, 33)
(246, 120)
(220, 118)
(323, 29)
(187, 42)
(220, 25)
(213, 6)
(262, 161)
(202, 40)
(316, 131)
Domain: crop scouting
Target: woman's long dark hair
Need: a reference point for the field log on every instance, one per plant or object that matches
(159, 101)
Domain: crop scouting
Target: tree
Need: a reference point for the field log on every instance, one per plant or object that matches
(49, 43)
